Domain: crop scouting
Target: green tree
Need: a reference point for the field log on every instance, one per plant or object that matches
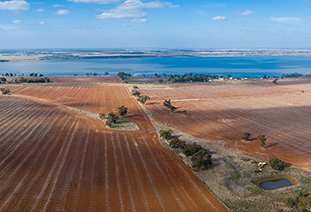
(177, 143)
(122, 111)
(166, 133)
(102, 115)
(185, 112)
(167, 103)
(113, 117)
(246, 136)
(109, 123)
(5, 91)
(172, 108)
(143, 99)
(277, 164)
(191, 149)
(135, 93)
(262, 139)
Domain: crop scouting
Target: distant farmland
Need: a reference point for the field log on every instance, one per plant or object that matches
(55, 158)
(222, 113)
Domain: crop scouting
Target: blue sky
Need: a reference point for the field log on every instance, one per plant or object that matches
(155, 24)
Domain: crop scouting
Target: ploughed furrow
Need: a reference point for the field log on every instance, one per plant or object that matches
(222, 113)
(63, 160)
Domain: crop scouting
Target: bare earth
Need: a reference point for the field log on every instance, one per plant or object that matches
(222, 113)
(54, 158)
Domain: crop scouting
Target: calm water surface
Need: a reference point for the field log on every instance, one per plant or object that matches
(236, 66)
(275, 184)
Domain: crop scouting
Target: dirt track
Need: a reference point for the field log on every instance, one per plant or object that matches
(225, 111)
(57, 159)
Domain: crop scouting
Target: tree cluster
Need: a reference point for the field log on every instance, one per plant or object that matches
(111, 119)
(200, 156)
(167, 103)
(122, 75)
(2, 79)
(35, 75)
(277, 164)
(185, 78)
(5, 91)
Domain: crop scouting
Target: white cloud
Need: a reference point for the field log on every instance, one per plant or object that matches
(6, 28)
(62, 12)
(57, 5)
(246, 13)
(142, 20)
(170, 5)
(219, 18)
(41, 23)
(14, 5)
(132, 9)
(287, 20)
(17, 22)
(96, 1)
(39, 10)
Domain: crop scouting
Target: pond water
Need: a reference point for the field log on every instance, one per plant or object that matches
(275, 184)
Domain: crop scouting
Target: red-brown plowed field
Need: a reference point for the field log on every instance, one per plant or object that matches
(57, 159)
(222, 113)
(86, 79)
(92, 99)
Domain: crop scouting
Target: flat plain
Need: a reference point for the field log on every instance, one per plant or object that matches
(55, 156)
(221, 113)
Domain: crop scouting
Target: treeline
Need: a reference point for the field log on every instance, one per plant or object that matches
(200, 157)
(22, 79)
(184, 78)
(93, 74)
(14, 75)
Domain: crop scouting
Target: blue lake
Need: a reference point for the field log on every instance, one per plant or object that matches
(275, 184)
(236, 66)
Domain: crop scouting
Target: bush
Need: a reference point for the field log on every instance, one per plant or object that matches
(177, 143)
(113, 117)
(135, 93)
(185, 112)
(102, 115)
(135, 87)
(290, 202)
(276, 164)
(246, 136)
(191, 149)
(109, 123)
(201, 159)
(165, 133)
(143, 99)
(5, 91)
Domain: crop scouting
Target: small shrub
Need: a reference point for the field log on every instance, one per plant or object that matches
(262, 139)
(185, 112)
(135, 87)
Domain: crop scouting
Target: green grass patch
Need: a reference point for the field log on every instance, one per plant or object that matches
(255, 189)
(305, 180)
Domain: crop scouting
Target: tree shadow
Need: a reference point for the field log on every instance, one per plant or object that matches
(287, 165)
(273, 144)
